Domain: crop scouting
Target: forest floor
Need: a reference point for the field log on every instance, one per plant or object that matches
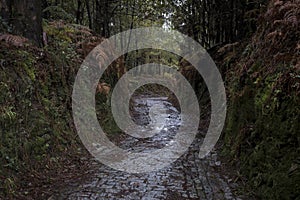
(188, 178)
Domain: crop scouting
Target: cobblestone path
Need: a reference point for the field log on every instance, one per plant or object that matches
(187, 178)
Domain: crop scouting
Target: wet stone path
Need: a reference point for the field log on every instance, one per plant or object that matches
(187, 178)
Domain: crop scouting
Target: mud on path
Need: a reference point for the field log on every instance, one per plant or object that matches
(187, 178)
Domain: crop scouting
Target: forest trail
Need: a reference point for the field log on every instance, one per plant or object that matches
(255, 45)
(187, 178)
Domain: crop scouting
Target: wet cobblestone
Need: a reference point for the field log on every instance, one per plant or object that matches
(187, 178)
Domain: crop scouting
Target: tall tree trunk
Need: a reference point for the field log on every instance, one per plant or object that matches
(6, 10)
(89, 13)
(45, 4)
(97, 19)
(25, 16)
(78, 12)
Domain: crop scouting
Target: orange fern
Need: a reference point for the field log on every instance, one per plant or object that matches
(13, 40)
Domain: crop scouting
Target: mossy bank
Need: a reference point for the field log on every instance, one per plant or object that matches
(263, 86)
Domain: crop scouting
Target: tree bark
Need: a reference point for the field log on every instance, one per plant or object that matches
(6, 10)
(25, 16)
(78, 12)
(89, 13)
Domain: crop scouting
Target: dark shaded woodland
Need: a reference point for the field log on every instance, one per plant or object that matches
(255, 45)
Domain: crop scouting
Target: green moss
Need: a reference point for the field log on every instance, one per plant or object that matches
(262, 131)
(35, 95)
(30, 72)
(60, 34)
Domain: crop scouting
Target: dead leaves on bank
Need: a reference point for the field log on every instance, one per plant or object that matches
(87, 42)
(103, 88)
(14, 40)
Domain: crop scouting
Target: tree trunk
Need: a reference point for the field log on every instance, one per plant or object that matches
(78, 12)
(89, 13)
(6, 10)
(25, 16)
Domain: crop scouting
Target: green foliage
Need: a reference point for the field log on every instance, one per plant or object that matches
(105, 117)
(58, 13)
(262, 131)
(35, 105)
(60, 34)
(27, 63)
(35, 92)
(5, 26)
(8, 114)
(144, 56)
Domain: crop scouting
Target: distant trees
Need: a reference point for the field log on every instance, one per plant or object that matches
(24, 17)
(209, 22)
(212, 22)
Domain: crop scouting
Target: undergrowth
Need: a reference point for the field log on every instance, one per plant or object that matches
(262, 130)
(37, 133)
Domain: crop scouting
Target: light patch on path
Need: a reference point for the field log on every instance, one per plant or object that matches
(187, 178)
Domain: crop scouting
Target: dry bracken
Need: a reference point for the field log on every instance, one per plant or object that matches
(14, 40)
